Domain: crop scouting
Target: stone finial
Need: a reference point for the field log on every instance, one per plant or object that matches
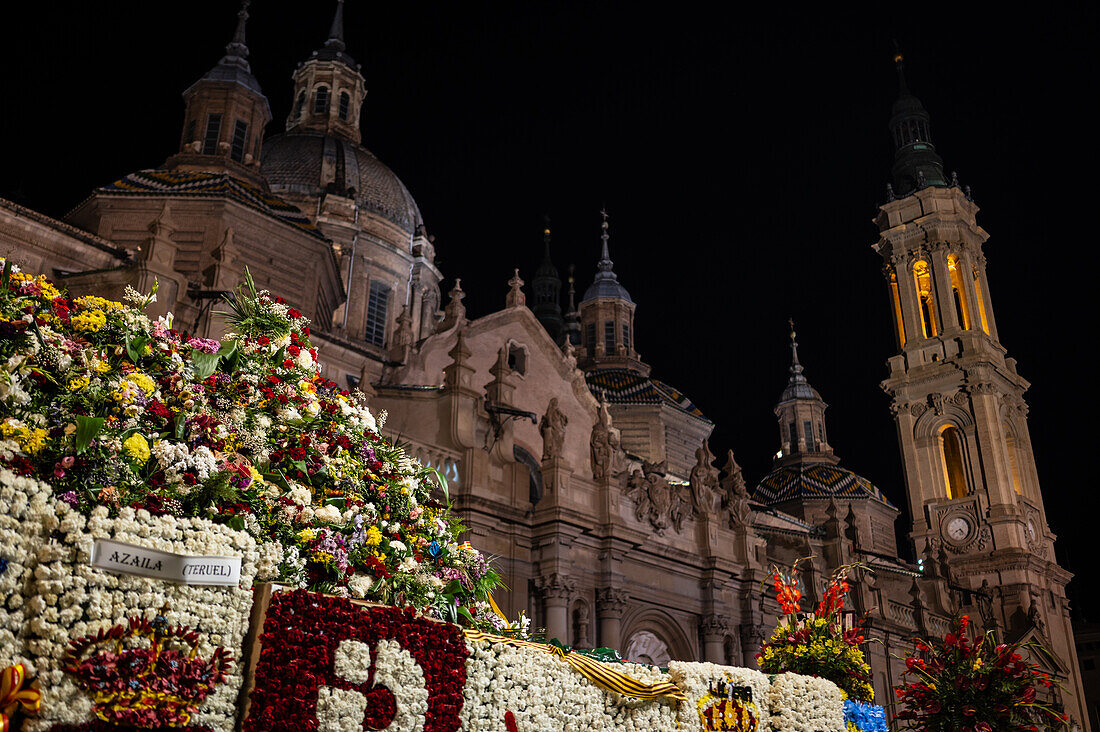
(954, 179)
(890, 196)
(516, 298)
(238, 47)
(455, 312)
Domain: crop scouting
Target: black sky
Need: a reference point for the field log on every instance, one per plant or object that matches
(741, 159)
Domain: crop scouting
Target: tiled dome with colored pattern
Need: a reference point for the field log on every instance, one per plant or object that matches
(815, 480)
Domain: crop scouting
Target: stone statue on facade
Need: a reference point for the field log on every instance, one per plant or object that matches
(605, 444)
(681, 506)
(552, 429)
(735, 494)
(704, 482)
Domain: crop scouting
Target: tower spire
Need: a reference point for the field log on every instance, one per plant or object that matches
(237, 47)
(917, 165)
(796, 367)
(605, 264)
(336, 31)
(547, 288)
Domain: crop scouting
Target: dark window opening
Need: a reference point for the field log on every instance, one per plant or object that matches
(626, 336)
(213, 130)
(300, 104)
(590, 338)
(793, 431)
(608, 337)
(189, 133)
(808, 428)
(240, 140)
(345, 105)
(320, 102)
(377, 303)
(517, 359)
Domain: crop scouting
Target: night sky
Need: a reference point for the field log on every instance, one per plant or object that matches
(741, 160)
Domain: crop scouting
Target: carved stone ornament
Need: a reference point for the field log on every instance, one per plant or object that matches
(935, 399)
(918, 408)
(552, 429)
(714, 625)
(681, 505)
(555, 586)
(611, 602)
(652, 495)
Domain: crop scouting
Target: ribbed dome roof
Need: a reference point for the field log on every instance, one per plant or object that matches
(292, 163)
(815, 480)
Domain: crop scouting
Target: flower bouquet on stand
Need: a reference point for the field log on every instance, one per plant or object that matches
(824, 643)
(974, 685)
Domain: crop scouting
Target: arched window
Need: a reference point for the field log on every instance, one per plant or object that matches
(300, 104)
(951, 457)
(320, 100)
(895, 296)
(345, 105)
(922, 277)
(378, 300)
(517, 359)
(981, 301)
(1013, 460)
(958, 292)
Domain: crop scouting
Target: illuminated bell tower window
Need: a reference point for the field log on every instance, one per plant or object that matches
(922, 278)
(958, 292)
(1013, 460)
(951, 456)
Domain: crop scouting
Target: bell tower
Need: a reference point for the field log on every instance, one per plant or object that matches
(958, 402)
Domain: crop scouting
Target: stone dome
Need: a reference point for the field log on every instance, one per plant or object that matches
(293, 164)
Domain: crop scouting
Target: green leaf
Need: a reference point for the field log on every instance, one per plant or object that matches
(230, 356)
(135, 348)
(204, 364)
(466, 614)
(442, 482)
(181, 425)
(5, 278)
(86, 430)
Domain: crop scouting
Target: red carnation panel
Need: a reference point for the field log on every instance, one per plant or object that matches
(300, 636)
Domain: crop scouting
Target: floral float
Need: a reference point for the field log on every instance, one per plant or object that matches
(115, 410)
(965, 684)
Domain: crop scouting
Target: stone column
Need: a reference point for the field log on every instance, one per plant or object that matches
(556, 589)
(907, 293)
(941, 277)
(610, 604)
(714, 629)
(987, 299)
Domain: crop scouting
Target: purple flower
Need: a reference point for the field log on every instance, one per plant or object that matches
(70, 498)
(206, 345)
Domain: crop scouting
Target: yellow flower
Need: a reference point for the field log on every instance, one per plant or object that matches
(374, 536)
(101, 367)
(94, 302)
(136, 448)
(322, 557)
(144, 382)
(78, 383)
(91, 320)
(307, 535)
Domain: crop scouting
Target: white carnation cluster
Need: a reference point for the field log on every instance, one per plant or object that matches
(805, 704)
(54, 595)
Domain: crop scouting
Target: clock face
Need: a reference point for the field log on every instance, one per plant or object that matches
(958, 529)
(1031, 531)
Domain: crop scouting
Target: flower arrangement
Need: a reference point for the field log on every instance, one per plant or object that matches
(823, 643)
(973, 685)
(805, 704)
(155, 684)
(116, 411)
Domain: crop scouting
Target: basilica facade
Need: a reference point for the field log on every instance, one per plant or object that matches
(588, 478)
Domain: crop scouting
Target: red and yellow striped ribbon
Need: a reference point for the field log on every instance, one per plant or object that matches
(600, 674)
(13, 695)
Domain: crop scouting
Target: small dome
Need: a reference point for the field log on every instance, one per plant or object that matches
(815, 480)
(292, 163)
(605, 287)
(799, 390)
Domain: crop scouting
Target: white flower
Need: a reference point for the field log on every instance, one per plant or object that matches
(328, 515)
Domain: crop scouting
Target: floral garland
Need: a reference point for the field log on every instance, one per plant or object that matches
(117, 411)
